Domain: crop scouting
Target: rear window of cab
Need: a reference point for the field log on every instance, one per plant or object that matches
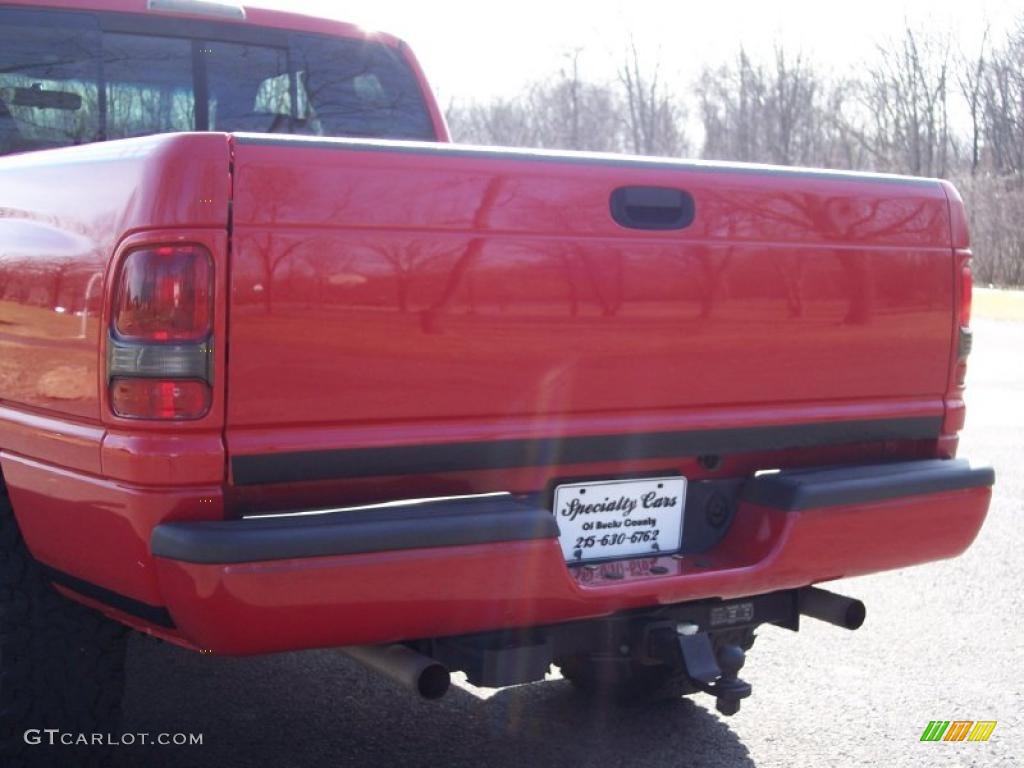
(73, 78)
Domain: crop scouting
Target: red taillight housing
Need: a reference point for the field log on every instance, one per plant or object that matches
(165, 294)
(159, 360)
(966, 293)
(159, 398)
(960, 317)
(965, 338)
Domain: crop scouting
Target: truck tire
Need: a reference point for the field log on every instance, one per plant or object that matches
(61, 664)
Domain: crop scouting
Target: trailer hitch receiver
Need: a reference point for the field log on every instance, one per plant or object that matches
(716, 674)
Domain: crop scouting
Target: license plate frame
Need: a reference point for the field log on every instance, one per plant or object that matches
(620, 514)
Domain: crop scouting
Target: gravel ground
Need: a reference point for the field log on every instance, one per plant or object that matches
(939, 643)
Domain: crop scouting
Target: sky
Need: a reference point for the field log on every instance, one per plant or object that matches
(478, 50)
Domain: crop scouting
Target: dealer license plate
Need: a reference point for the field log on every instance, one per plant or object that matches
(620, 518)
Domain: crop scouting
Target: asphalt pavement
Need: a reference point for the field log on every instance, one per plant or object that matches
(941, 641)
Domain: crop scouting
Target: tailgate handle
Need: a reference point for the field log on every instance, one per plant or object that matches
(652, 207)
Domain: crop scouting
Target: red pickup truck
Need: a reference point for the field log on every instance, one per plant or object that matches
(282, 368)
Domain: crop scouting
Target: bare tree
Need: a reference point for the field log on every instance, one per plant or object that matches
(572, 113)
(992, 86)
(564, 112)
(654, 116)
(892, 114)
(500, 122)
(1002, 96)
(907, 91)
(971, 80)
(729, 97)
(785, 113)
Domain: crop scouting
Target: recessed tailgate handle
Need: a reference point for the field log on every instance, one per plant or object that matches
(652, 207)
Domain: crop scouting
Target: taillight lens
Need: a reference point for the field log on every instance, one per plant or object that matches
(179, 399)
(966, 293)
(165, 294)
(159, 350)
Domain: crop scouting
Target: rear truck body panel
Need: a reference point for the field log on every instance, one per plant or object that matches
(397, 321)
(88, 486)
(441, 300)
(414, 266)
(96, 529)
(788, 532)
(63, 213)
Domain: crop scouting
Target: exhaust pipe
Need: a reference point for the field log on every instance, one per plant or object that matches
(422, 674)
(827, 606)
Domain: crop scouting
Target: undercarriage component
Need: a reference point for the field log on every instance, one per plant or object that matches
(713, 673)
(646, 655)
(827, 606)
(422, 674)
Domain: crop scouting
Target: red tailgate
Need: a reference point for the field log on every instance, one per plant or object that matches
(394, 294)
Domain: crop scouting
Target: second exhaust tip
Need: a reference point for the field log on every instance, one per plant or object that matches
(835, 609)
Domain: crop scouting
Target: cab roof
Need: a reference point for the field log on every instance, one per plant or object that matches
(215, 10)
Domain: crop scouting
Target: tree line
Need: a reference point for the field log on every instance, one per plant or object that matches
(918, 106)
